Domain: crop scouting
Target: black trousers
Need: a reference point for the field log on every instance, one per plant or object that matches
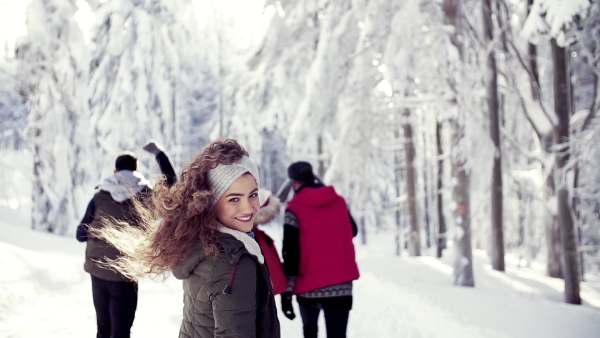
(336, 310)
(115, 304)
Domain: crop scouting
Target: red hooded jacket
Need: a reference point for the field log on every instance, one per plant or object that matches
(268, 211)
(272, 259)
(326, 250)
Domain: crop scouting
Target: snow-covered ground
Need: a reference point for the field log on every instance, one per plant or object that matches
(44, 292)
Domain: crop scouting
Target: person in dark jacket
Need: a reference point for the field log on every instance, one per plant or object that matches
(318, 254)
(115, 295)
(204, 237)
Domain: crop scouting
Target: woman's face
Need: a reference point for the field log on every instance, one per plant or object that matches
(238, 206)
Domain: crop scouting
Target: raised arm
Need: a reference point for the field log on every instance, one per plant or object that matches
(166, 168)
(163, 161)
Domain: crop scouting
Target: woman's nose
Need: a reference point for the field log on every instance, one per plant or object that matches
(248, 207)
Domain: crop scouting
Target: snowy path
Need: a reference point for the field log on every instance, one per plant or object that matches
(60, 306)
(380, 308)
(418, 300)
(44, 292)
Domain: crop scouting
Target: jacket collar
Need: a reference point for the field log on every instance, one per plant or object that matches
(124, 184)
(234, 244)
(249, 243)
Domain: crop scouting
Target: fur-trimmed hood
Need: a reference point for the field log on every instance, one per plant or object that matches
(232, 244)
(124, 184)
(268, 211)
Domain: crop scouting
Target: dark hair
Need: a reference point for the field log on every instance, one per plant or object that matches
(301, 172)
(126, 161)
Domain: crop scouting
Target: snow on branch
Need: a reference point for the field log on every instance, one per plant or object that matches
(555, 18)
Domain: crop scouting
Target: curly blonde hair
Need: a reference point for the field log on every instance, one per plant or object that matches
(177, 218)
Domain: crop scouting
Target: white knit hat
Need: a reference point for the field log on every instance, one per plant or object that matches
(223, 176)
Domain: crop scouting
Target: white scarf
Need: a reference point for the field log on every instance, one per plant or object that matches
(250, 244)
(124, 184)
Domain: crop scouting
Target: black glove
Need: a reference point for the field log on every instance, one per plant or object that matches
(286, 305)
(153, 147)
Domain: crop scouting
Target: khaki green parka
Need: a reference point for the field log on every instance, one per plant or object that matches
(228, 294)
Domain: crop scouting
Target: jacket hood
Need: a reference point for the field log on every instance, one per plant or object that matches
(231, 242)
(195, 255)
(124, 184)
(315, 197)
(268, 211)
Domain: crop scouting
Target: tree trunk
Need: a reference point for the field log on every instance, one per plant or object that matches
(321, 163)
(463, 258)
(452, 11)
(414, 239)
(553, 246)
(398, 182)
(428, 189)
(532, 51)
(554, 266)
(441, 233)
(562, 106)
(363, 230)
(494, 107)
(426, 219)
(577, 211)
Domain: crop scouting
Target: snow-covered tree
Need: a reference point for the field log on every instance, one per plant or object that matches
(54, 65)
(275, 82)
(455, 17)
(143, 73)
(557, 19)
(363, 116)
(14, 107)
(585, 78)
(325, 81)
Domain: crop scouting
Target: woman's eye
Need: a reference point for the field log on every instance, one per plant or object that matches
(234, 200)
(254, 195)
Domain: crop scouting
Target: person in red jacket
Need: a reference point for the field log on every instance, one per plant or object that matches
(318, 254)
(269, 208)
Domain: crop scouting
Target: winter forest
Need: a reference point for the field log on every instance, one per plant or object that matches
(449, 125)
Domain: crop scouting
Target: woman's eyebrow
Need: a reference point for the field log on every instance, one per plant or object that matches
(237, 194)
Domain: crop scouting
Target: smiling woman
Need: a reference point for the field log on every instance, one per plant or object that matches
(238, 206)
(204, 238)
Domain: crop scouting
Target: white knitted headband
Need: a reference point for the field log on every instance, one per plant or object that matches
(223, 176)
